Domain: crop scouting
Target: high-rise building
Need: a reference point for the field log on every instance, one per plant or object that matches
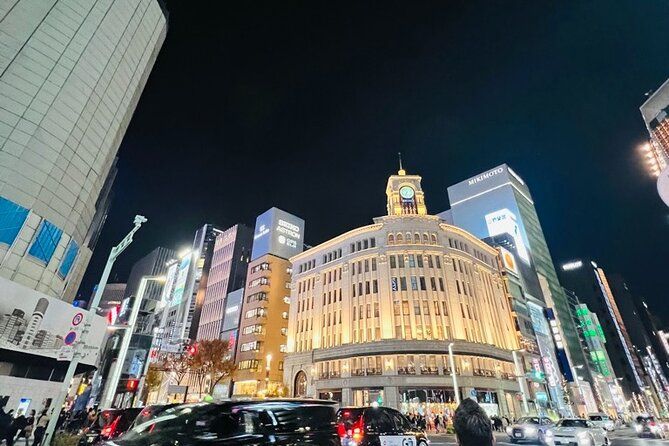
(229, 263)
(70, 78)
(655, 113)
(591, 286)
(499, 201)
(373, 312)
(262, 337)
(178, 314)
(112, 297)
(597, 368)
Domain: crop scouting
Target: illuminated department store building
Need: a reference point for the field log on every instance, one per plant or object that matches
(373, 312)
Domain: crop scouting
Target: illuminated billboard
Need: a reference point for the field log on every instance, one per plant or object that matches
(180, 282)
(504, 221)
(31, 322)
(278, 233)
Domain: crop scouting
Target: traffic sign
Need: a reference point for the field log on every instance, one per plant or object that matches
(70, 338)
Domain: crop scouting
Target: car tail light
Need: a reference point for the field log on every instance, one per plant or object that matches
(652, 424)
(110, 429)
(356, 430)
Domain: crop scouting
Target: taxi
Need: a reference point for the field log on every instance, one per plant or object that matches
(377, 426)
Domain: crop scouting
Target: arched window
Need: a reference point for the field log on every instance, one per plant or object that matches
(300, 384)
(391, 239)
(426, 239)
(400, 238)
(408, 237)
(433, 239)
(416, 237)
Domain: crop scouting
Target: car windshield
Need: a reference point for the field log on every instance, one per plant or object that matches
(644, 419)
(528, 420)
(572, 423)
(172, 421)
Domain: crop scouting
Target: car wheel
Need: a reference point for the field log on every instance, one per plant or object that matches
(422, 443)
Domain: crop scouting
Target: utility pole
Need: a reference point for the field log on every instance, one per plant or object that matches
(81, 344)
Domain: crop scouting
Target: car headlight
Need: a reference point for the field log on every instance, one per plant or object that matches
(638, 428)
(549, 433)
(509, 430)
(530, 430)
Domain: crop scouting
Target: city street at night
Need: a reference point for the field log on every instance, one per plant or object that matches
(334, 223)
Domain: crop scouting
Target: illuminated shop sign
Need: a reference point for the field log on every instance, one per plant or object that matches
(278, 233)
(505, 221)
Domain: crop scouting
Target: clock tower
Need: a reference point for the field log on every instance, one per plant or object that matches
(405, 196)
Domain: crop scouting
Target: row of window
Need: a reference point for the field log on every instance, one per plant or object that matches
(414, 261)
(264, 266)
(12, 218)
(416, 238)
(374, 288)
(363, 266)
(256, 297)
(311, 264)
(417, 283)
(363, 244)
(259, 281)
(333, 255)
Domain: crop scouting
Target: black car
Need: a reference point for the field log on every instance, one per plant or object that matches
(377, 426)
(248, 422)
(150, 412)
(110, 424)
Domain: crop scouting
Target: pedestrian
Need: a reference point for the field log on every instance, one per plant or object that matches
(472, 425)
(5, 422)
(437, 421)
(28, 427)
(40, 428)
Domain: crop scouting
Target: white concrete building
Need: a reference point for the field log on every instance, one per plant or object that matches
(71, 73)
(373, 311)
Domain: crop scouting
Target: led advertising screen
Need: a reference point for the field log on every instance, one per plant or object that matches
(278, 233)
(180, 282)
(34, 323)
(233, 308)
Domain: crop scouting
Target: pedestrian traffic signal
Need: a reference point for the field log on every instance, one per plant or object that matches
(131, 385)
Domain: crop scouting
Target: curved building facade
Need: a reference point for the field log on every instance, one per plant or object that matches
(373, 312)
(71, 74)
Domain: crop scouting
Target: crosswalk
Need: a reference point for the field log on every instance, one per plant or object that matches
(618, 438)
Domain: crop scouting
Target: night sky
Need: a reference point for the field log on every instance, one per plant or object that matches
(304, 106)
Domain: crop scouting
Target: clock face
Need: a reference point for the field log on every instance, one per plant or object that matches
(406, 192)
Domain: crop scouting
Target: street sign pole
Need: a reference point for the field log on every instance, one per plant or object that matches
(80, 345)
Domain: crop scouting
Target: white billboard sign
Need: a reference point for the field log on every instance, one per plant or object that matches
(36, 324)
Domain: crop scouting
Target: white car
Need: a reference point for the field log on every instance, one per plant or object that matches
(577, 431)
(602, 420)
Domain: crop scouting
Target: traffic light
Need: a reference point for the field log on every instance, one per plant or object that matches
(192, 350)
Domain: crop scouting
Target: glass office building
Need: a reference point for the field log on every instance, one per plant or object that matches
(496, 202)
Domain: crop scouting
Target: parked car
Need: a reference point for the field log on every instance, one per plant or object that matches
(110, 424)
(646, 426)
(377, 426)
(244, 422)
(529, 429)
(602, 420)
(577, 431)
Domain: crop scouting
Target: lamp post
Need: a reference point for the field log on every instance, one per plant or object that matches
(451, 361)
(115, 372)
(113, 254)
(522, 383)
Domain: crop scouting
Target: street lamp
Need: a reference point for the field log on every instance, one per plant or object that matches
(117, 367)
(113, 254)
(522, 383)
(451, 361)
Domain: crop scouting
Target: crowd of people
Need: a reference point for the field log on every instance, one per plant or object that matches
(22, 427)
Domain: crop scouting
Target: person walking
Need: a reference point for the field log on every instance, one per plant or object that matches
(27, 429)
(40, 428)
